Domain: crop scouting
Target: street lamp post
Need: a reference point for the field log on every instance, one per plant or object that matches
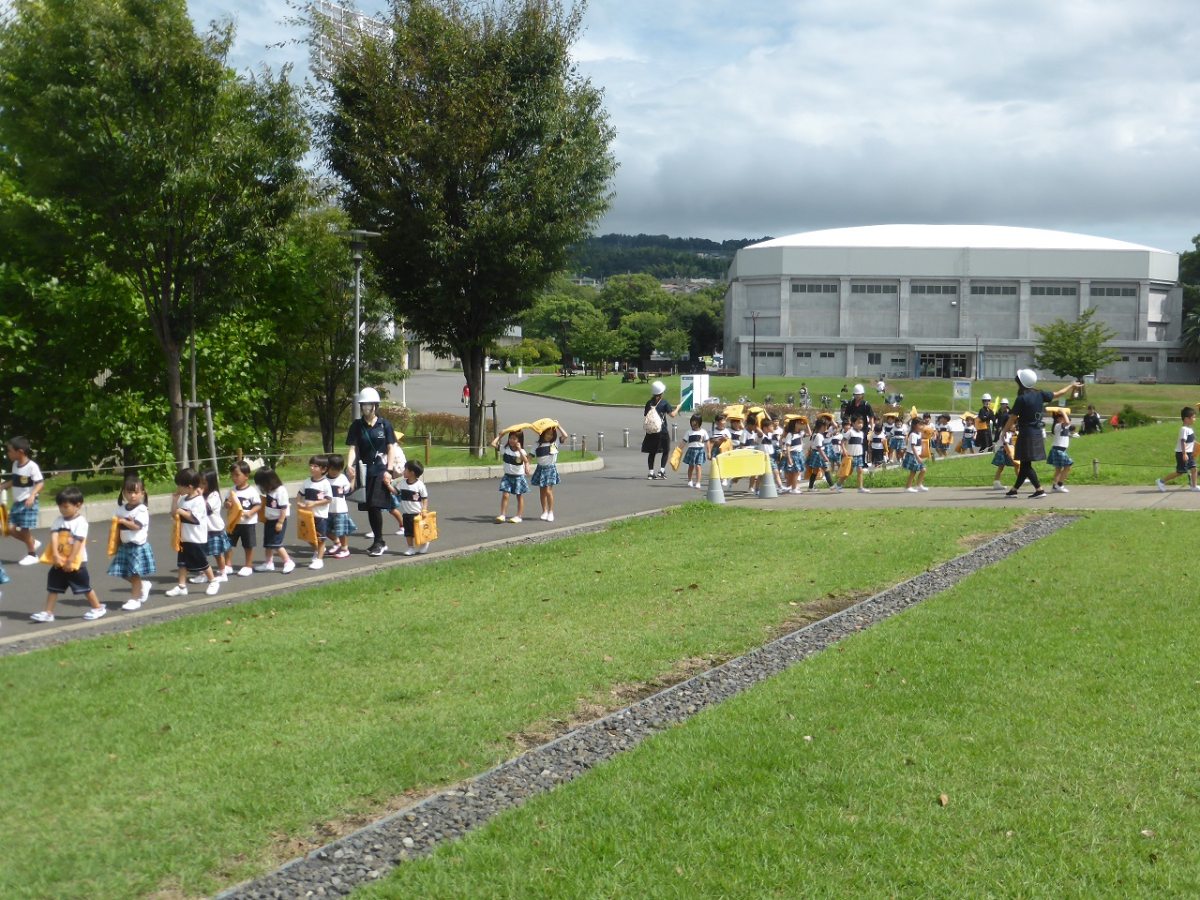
(358, 243)
(977, 359)
(753, 351)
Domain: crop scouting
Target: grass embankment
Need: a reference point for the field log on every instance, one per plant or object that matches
(1161, 400)
(1029, 733)
(189, 755)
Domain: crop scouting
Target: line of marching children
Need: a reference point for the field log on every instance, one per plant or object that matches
(207, 529)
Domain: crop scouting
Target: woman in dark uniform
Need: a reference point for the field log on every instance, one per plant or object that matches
(372, 441)
(1026, 418)
(653, 444)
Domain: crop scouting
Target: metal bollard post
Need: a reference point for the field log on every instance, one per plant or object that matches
(625, 438)
(674, 432)
(583, 445)
(1095, 468)
(573, 443)
(599, 441)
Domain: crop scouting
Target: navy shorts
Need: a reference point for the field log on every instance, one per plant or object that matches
(272, 535)
(193, 557)
(58, 581)
(244, 535)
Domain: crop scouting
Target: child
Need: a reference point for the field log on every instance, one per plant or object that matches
(398, 461)
(26, 482)
(1062, 431)
(944, 438)
(793, 451)
(545, 474)
(69, 569)
(833, 448)
(341, 526)
(1002, 457)
(819, 462)
(275, 514)
(192, 512)
(854, 449)
(134, 559)
(878, 446)
(694, 457)
(316, 494)
(912, 457)
(245, 495)
(898, 441)
(720, 434)
(220, 548)
(769, 435)
(1185, 451)
(967, 445)
(513, 481)
(414, 502)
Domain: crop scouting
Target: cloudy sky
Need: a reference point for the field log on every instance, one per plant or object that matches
(777, 116)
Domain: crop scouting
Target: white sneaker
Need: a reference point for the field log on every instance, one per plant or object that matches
(543, 515)
(864, 490)
(146, 585)
(997, 486)
(133, 603)
(1062, 489)
(317, 564)
(245, 571)
(213, 587)
(228, 570)
(288, 566)
(220, 578)
(911, 490)
(410, 552)
(1158, 483)
(424, 548)
(42, 616)
(1194, 487)
(180, 590)
(265, 567)
(501, 519)
(29, 559)
(699, 486)
(197, 579)
(549, 518)
(515, 520)
(921, 487)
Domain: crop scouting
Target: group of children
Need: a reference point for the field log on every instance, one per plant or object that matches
(209, 527)
(1061, 433)
(520, 471)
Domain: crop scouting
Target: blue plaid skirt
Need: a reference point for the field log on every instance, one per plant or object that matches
(21, 516)
(896, 442)
(218, 542)
(1000, 458)
(968, 443)
(912, 464)
(793, 461)
(695, 456)
(514, 484)
(340, 525)
(544, 476)
(132, 559)
(1058, 458)
(4, 579)
(856, 463)
(816, 461)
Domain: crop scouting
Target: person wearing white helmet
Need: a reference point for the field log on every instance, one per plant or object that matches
(859, 408)
(372, 443)
(984, 421)
(1027, 419)
(657, 442)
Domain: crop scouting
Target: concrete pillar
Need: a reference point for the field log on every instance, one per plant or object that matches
(1023, 300)
(1141, 331)
(902, 296)
(850, 373)
(1085, 295)
(785, 307)
(844, 306)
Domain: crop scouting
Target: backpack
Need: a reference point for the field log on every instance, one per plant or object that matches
(653, 422)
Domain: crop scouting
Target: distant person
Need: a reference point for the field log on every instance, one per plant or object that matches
(372, 440)
(1062, 431)
(658, 443)
(1027, 420)
(985, 419)
(1091, 421)
(859, 408)
(515, 479)
(68, 554)
(26, 482)
(466, 394)
(1185, 451)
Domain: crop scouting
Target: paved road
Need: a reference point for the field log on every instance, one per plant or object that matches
(466, 510)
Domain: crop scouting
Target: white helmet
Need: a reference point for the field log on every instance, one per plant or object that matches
(657, 387)
(1027, 378)
(1004, 401)
(368, 395)
(987, 398)
(858, 389)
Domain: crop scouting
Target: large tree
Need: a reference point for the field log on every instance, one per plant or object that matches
(1074, 349)
(468, 138)
(165, 166)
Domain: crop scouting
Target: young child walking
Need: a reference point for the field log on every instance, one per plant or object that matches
(819, 461)
(398, 461)
(276, 506)
(341, 526)
(134, 559)
(316, 494)
(514, 480)
(68, 552)
(220, 548)
(414, 502)
(912, 461)
(192, 513)
(1185, 451)
(793, 451)
(545, 472)
(854, 450)
(246, 495)
(1002, 457)
(1062, 430)
(967, 443)
(694, 455)
(26, 482)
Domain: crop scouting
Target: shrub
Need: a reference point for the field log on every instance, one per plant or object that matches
(1131, 418)
(447, 429)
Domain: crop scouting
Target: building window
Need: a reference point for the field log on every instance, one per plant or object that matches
(1176, 359)
(934, 289)
(1145, 359)
(874, 359)
(1049, 290)
(804, 354)
(823, 287)
(1113, 291)
(899, 362)
(765, 354)
(1006, 289)
(828, 354)
(1124, 359)
(873, 289)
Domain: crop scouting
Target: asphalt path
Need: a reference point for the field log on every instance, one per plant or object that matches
(466, 512)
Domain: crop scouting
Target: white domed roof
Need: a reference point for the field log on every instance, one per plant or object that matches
(992, 237)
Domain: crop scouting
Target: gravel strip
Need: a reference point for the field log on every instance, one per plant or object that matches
(337, 868)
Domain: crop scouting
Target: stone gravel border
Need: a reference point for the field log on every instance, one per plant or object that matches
(368, 854)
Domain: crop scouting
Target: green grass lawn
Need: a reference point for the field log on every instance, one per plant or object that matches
(1162, 400)
(1050, 701)
(191, 755)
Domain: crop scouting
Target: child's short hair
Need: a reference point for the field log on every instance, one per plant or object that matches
(209, 477)
(20, 445)
(188, 478)
(415, 467)
(335, 461)
(1186, 412)
(240, 465)
(696, 420)
(319, 459)
(70, 494)
(267, 479)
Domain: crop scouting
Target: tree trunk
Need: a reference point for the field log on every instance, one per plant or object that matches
(472, 360)
(175, 396)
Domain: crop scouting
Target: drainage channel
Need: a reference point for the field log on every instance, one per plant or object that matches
(368, 854)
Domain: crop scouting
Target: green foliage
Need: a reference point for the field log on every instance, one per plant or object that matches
(469, 139)
(1074, 349)
(655, 254)
(1132, 418)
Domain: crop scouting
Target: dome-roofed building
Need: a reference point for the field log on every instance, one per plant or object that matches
(951, 301)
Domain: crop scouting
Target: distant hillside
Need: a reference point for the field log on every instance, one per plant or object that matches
(657, 255)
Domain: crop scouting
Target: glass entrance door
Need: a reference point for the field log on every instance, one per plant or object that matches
(942, 365)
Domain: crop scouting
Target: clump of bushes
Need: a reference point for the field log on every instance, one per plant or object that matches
(1132, 418)
(447, 429)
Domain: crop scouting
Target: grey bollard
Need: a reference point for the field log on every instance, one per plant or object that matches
(716, 494)
(674, 432)
(573, 443)
(583, 445)
(766, 485)
(599, 441)
(625, 438)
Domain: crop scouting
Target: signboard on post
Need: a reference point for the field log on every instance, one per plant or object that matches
(693, 391)
(962, 391)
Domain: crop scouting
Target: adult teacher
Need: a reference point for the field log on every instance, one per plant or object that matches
(859, 408)
(372, 441)
(1027, 419)
(658, 442)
